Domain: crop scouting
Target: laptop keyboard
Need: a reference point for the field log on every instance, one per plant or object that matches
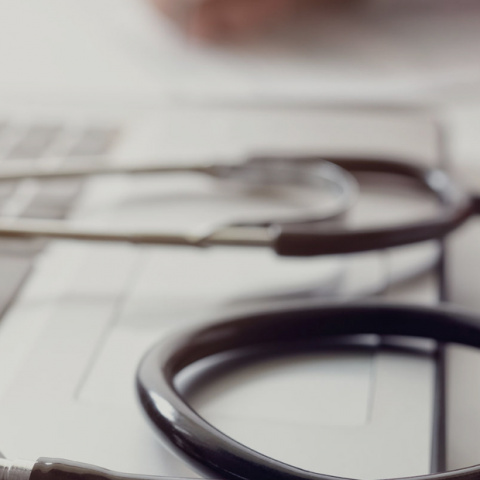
(50, 199)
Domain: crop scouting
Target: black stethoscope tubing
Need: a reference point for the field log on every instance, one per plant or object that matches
(456, 206)
(213, 452)
(219, 456)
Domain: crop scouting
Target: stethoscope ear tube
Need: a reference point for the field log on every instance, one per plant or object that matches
(476, 204)
(295, 240)
(219, 456)
(455, 208)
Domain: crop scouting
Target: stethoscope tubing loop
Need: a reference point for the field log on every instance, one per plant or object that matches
(456, 207)
(219, 456)
(302, 241)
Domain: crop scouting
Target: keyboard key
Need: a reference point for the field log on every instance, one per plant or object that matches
(13, 270)
(56, 196)
(94, 141)
(54, 193)
(46, 210)
(27, 248)
(35, 142)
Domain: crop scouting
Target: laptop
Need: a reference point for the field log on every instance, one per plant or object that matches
(77, 317)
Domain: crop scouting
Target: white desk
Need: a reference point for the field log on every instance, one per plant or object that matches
(113, 53)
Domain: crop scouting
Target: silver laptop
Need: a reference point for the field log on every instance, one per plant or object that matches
(78, 317)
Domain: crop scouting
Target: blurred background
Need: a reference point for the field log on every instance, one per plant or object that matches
(320, 51)
(217, 79)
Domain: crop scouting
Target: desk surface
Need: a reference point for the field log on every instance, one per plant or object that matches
(128, 57)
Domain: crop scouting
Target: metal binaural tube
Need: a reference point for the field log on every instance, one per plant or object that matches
(47, 172)
(223, 236)
(15, 469)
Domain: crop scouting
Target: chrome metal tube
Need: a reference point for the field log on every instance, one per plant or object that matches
(48, 172)
(15, 469)
(224, 236)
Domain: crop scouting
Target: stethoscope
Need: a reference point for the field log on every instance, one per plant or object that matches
(312, 234)
(286, 329)
(253, 174)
